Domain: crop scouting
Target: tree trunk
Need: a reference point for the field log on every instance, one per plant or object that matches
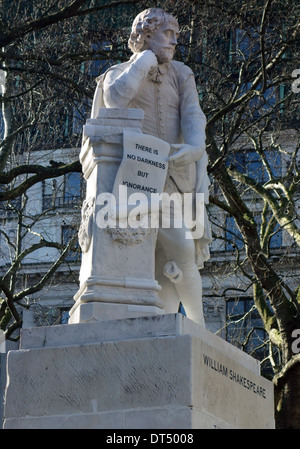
(7, 88)
(287, 395)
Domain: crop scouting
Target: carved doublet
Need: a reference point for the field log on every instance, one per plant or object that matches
(160, 101)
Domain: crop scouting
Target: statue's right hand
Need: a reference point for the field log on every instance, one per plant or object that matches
(146, 60)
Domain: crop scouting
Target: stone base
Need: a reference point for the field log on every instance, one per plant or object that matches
(156, 372)
(101, 311)
(149, 418)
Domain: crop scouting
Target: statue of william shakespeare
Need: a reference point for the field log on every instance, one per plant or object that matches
(166, 91)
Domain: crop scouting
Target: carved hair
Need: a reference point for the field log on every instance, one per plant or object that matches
(145, 24)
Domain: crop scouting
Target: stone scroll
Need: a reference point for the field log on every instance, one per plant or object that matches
(144, 165)
(141, 176)
(142, 171)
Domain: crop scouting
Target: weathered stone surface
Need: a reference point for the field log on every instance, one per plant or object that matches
(114, 375)
(114, 269)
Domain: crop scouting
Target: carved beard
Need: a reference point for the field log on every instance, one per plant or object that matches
(164, 54)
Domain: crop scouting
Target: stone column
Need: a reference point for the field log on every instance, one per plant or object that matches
(117, 268)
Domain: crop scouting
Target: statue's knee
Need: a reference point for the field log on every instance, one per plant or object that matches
(176, 246)
(186, 253)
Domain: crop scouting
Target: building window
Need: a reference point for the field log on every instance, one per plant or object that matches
(98, 66)
(251, 163)
(234, 239)
(244, 327)
(72, 186)
(70, 233)
(64, 316)
(247, 48)
(276, 234)
(9, 208)
(65, 194)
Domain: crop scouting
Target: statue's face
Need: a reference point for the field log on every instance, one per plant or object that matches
(163, 42)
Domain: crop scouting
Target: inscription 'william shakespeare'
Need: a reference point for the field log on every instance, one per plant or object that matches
(234, 376)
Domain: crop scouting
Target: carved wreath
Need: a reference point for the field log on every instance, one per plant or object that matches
(85, 230)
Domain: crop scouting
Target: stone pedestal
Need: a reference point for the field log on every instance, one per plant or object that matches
(116, 279)
(158, 372)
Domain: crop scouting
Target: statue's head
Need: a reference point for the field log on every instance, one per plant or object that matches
(156, 30)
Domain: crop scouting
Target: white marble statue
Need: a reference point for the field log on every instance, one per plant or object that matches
(165, 89)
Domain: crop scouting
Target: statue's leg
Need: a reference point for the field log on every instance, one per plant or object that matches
(180, 250)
